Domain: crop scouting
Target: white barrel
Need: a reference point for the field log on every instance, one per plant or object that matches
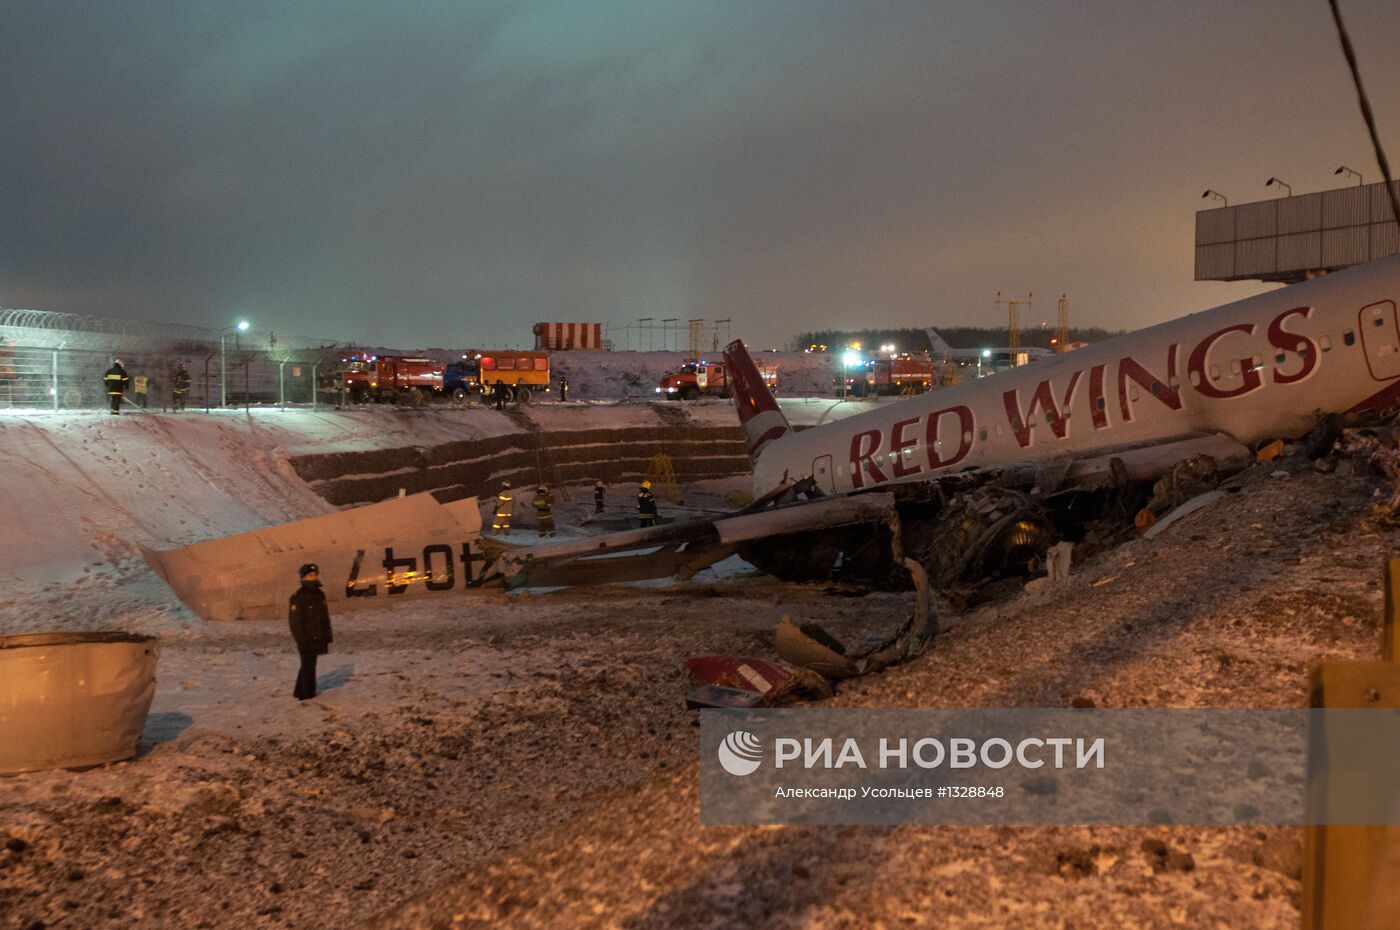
(69, 700)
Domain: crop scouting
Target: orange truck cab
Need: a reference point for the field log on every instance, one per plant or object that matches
(701, 378)
(520, 374)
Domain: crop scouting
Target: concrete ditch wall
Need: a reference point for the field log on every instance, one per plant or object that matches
(555, 456)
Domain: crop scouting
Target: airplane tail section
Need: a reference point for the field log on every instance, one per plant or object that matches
(763, 422)
(936, 341)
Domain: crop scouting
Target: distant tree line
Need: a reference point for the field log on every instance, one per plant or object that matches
(960, 337)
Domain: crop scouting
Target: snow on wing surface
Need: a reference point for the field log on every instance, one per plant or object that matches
(399, 547)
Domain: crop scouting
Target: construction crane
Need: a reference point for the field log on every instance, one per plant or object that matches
(1013, 322)
(697, 334)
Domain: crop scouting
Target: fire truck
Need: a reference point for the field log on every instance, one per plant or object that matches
(699, 378)
(395, 379)
(391, 379)
(904, 375)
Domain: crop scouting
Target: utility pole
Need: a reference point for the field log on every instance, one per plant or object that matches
(1062, 328)
(1013, 322)
(726, 321)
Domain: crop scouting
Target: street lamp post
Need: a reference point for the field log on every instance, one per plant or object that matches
(1343, 169)
(1288, 188)
(848, 359)
(240, 327)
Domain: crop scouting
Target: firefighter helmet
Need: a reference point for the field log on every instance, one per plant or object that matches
(646, 484)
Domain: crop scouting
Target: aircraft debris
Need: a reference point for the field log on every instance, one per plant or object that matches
(1185, 480)
(1196, 503)
(810, 646)
(741, 681)
(1369, 449)
(1325, 435)
(1269, 451)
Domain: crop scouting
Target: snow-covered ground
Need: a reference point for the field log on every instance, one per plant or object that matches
(81, 490)
(533, 747)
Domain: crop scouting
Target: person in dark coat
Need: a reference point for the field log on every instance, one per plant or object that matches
(598, 497)
(116, 380)
(563, 389)
(646, 505)
(311, 628)
(179, 387)
(500, 391)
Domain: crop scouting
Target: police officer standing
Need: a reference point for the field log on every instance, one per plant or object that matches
(311, 628)
(598, 497)
(544, 510)
(563, 389)
(500, 391)
(646, 505)
(179, 387)
(116, 381)
(505, 509)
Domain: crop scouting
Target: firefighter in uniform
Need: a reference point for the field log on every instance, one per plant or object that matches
(311, 628)
(179, 387)
(544, 510)
(505, 509)
(598, 497)
(116, 381)
(646, 505)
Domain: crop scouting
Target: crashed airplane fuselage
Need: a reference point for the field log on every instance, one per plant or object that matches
(1259, 368)
(1133, 406)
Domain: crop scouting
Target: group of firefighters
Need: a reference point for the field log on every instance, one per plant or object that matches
(115, 380)
(543, 503)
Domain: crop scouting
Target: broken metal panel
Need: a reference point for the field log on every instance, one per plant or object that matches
(813, 515)
(1146, 463)
(69, 700)
(401, 547)
(611, 567)
(805, 647)
(1194, 504)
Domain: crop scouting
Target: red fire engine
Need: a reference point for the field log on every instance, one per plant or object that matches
(392, 379)
(903, 375)
(700, 377)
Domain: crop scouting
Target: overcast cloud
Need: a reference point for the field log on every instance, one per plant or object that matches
(447, 173)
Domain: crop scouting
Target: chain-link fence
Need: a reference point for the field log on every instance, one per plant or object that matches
(56, 361)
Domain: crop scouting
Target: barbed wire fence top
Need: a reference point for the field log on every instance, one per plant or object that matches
(48, 329)
(56, 360)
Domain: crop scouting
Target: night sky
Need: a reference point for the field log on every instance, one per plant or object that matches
(447, 173)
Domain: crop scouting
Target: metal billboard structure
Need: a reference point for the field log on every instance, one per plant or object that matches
(1291, 239)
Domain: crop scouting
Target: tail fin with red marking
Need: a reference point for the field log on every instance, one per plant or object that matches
(759, 415)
